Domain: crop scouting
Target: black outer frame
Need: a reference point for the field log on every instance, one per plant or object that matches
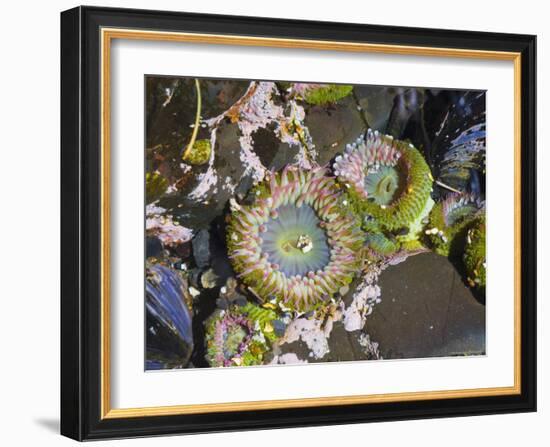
(81, 206)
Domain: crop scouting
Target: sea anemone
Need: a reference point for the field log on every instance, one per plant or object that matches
(240, 336)
(388, 179)
(389, 186)
(322, 94)
(449, 221)
(199, 153)
(297, 242)
(474, 254)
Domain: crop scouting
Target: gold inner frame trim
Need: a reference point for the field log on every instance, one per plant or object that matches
(107, 35)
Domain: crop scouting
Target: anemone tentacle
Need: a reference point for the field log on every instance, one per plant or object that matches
(296, 243)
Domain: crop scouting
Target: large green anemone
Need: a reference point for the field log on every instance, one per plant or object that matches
(297, 243)
(389, 185)
(474, 254)
(449, 221)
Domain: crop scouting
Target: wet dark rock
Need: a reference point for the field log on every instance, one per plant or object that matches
(273, 154)
(196, 213)
(279, 327)
(168, 114)
(193, 276)
(183, 250)
(201, 248)
(244, 186)
(169, 337)
(226, 301)
(218, 249)
(407, 102)
(203, 307)
(220, 95)
(153, 247)
(171, 107)
(426, 311)
(376, 104)
(333, 127)
(230, 295)
(347, 298)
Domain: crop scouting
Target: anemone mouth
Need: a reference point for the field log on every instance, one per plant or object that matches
(232, 340)
(388, 179)
(383, 185)
(296, 243)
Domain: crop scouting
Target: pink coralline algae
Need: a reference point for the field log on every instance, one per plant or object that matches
(253, 111)
(367, 295)
(163, 227)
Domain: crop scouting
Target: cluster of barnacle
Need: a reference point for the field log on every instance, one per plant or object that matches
(306, 234)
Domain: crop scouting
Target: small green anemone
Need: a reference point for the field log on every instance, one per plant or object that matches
(199, 153)
(323, 94)
(474, 254)
(449, 221)
(240, 336)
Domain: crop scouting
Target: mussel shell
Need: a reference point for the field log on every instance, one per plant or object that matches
(458, 150)
(169, 336)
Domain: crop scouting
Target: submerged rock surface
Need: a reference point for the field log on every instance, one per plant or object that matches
(426, 311)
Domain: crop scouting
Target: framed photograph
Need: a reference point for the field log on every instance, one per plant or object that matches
(272, 223)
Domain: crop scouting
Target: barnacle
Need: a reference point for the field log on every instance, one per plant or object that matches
(297, 243)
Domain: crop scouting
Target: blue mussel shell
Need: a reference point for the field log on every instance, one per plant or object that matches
(169, 336)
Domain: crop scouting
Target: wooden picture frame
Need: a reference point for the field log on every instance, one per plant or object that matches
(86, 37)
